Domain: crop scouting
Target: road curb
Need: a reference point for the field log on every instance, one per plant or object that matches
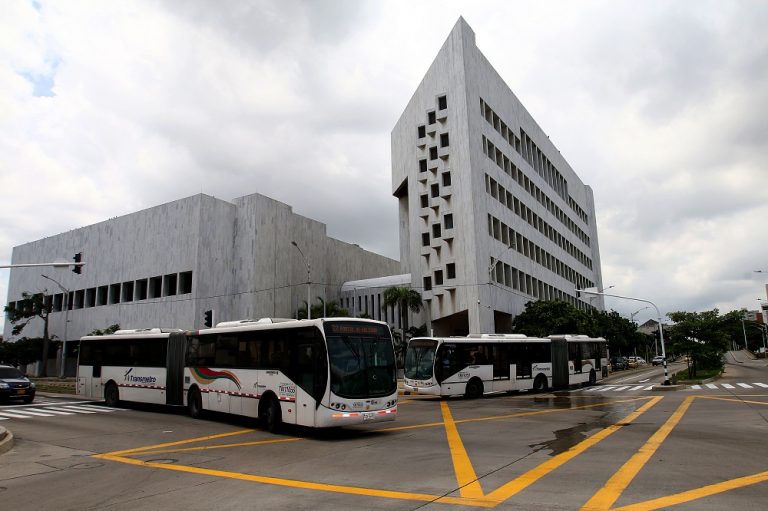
(668, 388)
(6, 440)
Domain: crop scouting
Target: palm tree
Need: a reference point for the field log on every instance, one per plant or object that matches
(407, 299)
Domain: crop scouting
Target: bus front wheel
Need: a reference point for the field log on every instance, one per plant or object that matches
(540, 383)
(111, 394)
(474, 389)
(195, 403)
(273, 415)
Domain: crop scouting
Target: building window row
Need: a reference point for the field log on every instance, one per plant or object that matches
(171, 284)
(518, 207)
(509, 276)
(508, 236)
(371, 305)
(504, 163)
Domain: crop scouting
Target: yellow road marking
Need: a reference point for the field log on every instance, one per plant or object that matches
(466, 478)
(735, 400)
(520, 483)
(181, 442)
(608, 494)
(218, 446)
(698, 493)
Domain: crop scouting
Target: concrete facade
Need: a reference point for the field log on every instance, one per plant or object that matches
(165, 266)
(491, 214)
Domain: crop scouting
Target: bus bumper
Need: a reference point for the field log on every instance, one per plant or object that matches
(328, 418)
(429, 391)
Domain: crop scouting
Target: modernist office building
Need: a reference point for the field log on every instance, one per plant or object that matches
(491, 214)
(165, 266)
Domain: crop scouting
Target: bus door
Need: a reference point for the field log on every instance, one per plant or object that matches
(96, 389)
(174, 378)
(502, 369)
(560, 372)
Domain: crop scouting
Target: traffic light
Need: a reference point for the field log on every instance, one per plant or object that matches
(208, 319)
(78, 258)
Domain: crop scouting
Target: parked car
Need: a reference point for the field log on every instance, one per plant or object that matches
(618, 363)
(14, 385)
(638, 361)
(657, 360)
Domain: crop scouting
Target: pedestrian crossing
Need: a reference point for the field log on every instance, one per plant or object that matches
(704, 386)
(58, 410)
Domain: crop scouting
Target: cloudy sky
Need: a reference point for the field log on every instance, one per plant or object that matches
(662, 107)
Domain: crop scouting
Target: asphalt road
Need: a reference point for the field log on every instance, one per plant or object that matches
(690, 449)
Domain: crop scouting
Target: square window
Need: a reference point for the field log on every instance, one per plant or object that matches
(427, 283)
(431, 118)
(79, 298)
(442, 103)
(448, 221)
(450, 270)
(422, 165)
(185, 282)
(101, 295)
(114, 293)
(444, 140)
(446, 179)
(90, 297)
(141, 289)
(170, 282)
(439, 277)
(155, 287)
(422, 130)
(425, 239)
(434, 190)
(424, 201)
(433, 153)
(128, 291)
(435, 230)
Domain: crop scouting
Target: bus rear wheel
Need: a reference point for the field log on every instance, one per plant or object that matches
(474, 389)
(111, 394)
(195, 403)
(540, 383)
(272, 415)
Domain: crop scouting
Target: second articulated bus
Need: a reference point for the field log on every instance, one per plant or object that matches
(317, 373)
(485, 363)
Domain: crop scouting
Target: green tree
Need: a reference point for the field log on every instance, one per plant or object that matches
(703, 336)
(407, 299)
(332, 310)
(32, 306)
(111, 329)
(548, 317)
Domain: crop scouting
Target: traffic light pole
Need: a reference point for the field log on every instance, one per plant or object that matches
(32, 265)
(658, 314)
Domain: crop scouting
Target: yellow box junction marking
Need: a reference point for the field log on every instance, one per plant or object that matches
(470, 490)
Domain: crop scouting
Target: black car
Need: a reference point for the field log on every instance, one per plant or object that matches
(14, 385)
(619, 363)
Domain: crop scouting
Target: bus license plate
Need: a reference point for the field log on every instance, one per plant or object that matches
(367, 416)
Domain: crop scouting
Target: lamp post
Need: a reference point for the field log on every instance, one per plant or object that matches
(632, 319)
(63, 367)
(309, 281)
(491, 268)
(658, 314)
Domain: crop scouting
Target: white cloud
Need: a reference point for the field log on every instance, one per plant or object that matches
(658, 106)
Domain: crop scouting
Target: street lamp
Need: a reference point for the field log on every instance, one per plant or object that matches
(658, 314)
(309, 281)
(66, 323)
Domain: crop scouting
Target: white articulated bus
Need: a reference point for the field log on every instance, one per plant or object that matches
(317, 373)
(484, 363)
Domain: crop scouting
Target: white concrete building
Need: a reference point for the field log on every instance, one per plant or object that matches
(165, 266)
(484, 196)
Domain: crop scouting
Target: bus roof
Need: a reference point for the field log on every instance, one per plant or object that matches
(280, 323)
(485, 338)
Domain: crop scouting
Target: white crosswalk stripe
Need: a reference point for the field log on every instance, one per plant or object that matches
(61, 409)
(620, 388)
(711, 385)
(706, 386)
(745, 385)
(765, 386)
(728, 386)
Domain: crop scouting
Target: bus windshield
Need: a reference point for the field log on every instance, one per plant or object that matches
(362, 360)
(419, 359)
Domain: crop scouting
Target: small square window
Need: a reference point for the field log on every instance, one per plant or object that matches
(431, 118)
(422, 165)
(439, 277)
(128, 291)
(101, 295)
(422, 130)
(155, 287)
(446, 179)
(435, 230)
(425, 239)
(444, 140)
(141, 289)
(170, 283)
(433, 153)
(435, 190)
(114, 293)
(448, 221)
(427, 283)
(185, 282)
(450, 270)
(442, 103)
(424, 201)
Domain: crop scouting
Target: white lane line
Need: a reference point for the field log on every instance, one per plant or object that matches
(621, 388)
(696, 387)
(75, 409)
(727, 386)
(762, 385)
(12, 415)
(100, 408)
(603, 389)
(38, 414)
(645, 380)
(711, 385)
(745, 385)
(649, 387)
(638, 387)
